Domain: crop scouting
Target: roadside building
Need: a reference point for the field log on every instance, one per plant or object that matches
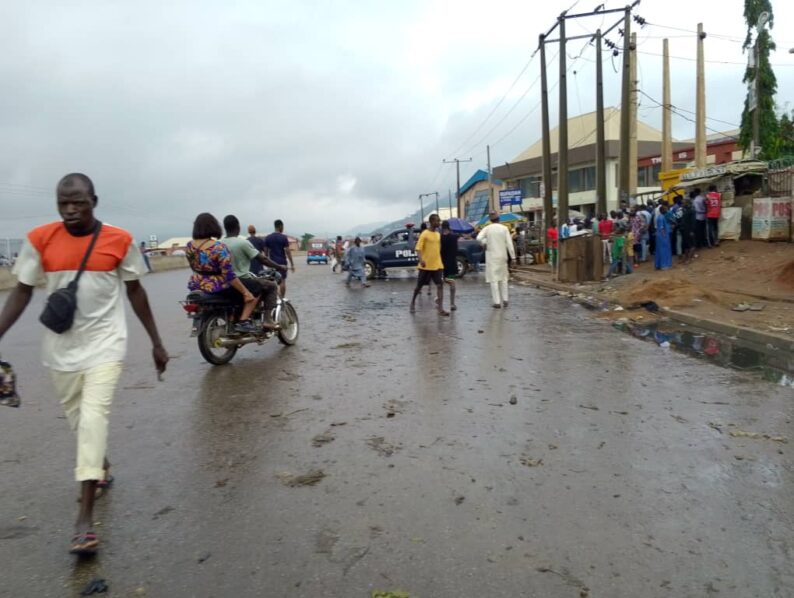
(526, 170)
(475, 196)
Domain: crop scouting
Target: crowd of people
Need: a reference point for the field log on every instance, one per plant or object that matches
(656, 230)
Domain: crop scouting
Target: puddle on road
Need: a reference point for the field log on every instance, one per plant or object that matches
(768, 362)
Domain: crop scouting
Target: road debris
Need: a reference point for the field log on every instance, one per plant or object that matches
(529, 462)
(312, 478)
(757, 436)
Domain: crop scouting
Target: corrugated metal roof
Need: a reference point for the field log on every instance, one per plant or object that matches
(477, 177)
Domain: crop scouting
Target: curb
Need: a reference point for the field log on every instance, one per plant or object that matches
(731, 330)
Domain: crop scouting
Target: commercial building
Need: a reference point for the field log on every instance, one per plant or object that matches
(525, 172)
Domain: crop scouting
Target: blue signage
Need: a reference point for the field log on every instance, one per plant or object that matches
(509, 197)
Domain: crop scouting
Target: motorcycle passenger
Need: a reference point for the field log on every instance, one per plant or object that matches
(243, 253)
(213, 272)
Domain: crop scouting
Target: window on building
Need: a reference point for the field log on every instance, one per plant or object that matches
(530, 186)
(477, 207)
(648, 176)
(581, 179)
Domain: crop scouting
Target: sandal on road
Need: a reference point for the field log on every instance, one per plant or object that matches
(84, 543)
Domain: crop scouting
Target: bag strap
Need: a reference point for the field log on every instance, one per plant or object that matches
(88, 251)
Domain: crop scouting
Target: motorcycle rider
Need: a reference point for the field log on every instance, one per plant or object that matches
(243, 253)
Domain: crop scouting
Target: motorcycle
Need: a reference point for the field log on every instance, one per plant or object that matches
(214, 318)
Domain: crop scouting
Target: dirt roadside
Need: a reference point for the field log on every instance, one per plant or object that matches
(752, 276)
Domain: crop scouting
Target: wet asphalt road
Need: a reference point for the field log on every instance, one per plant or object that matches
(614, 474)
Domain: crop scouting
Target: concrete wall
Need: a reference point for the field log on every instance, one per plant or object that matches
(159, 264)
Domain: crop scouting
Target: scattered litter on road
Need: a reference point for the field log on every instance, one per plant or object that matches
(590, 407)
(714, 426)
(311, 478)
(323, 438)
(379, 444)
(204, 557)
(459, 500)
(757, 436)
(524, 460)
(388, 594)
(513, 399)
(679, 419)
(221, 483)
(95, 586)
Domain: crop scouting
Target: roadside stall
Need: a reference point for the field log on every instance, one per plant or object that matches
(739, 184)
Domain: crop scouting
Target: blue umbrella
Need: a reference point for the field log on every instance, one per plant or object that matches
(503, 218)
(456, 225)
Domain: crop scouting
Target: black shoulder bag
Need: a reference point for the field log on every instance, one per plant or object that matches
(58, 314)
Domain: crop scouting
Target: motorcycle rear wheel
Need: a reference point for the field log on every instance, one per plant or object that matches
(289, 325)
(213, 328)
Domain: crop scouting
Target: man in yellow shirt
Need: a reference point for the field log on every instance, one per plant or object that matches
(431, 268)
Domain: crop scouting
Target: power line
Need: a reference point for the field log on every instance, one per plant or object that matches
(498, 104)
(675, 110)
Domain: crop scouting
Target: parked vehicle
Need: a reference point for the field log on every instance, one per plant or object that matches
(213, 324)
(317, 252)
(393, 251)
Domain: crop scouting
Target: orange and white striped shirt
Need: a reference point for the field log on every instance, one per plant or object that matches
(99, 332)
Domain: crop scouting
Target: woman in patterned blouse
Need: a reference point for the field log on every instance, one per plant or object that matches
(212, 268)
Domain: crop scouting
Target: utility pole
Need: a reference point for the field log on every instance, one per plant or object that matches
(625, 123)
(546, 143)
(700, 106)
(421, 209)
(759, 28)
(633, 117)
(601, 165)
(457, 162)
(562, 142)
(449, 196)
(667, 131)
(490, 179)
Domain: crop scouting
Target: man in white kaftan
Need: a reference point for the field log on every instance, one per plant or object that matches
(495, 238)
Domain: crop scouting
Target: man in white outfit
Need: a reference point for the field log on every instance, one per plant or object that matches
(495, 238)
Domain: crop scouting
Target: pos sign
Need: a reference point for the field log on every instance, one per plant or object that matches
(509, 197)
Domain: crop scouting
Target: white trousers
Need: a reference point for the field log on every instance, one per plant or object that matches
(499, 292)
(86, 397)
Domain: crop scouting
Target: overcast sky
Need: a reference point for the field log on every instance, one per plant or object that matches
(328, 115)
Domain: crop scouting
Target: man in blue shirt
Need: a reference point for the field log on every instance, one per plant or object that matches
(256, 266)
(277, 249)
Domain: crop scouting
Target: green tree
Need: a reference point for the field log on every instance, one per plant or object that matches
(786, 135)
(767, 83)
(305, 241)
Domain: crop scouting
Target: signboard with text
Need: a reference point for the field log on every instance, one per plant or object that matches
(509, 197)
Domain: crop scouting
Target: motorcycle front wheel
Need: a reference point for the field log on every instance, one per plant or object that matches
(213, 329)
(289, 326)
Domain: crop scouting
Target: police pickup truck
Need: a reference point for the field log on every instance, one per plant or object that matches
(395, 250)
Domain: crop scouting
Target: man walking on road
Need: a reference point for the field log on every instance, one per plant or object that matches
(243, 255)
(495, 238)
(85, 361)
(277, 249)
(354, 261)
(449, 257)
(431, 268)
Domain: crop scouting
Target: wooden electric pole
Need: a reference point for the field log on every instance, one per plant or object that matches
(548, 208)
(601, 165)
(562, 141)
(625, 123)
(700, 106)
(490, 179)
(457, 162)
(667, 131)
(633, 117)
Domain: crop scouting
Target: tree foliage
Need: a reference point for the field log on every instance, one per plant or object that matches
(767, 82)
(305, 241)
